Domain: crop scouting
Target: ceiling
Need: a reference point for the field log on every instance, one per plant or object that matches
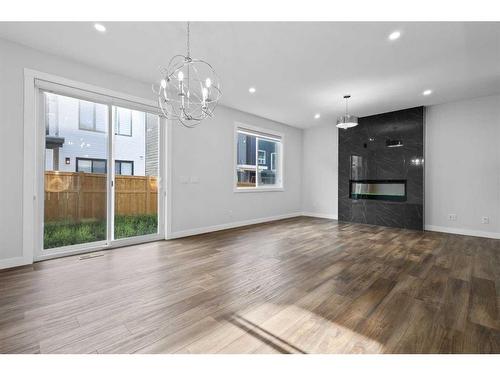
(298, 68)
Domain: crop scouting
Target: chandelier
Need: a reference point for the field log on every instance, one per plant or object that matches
(189, 89)
(346, 121)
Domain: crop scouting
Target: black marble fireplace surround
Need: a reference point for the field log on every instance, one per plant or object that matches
(386, 152)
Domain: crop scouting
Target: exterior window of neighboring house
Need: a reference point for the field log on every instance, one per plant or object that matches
(262, 157)
(87, 165)
(123, 125)
(92, 116)
(124, 167)
(254, 170)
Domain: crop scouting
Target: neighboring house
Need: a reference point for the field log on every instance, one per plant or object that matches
(76, 139)
(152, 144)
(246, 155)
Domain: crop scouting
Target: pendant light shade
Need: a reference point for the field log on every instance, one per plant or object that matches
(346, 121)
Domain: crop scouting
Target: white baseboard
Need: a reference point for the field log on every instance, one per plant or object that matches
(465, 232)
(215, 228)
(320, 215)
(14, 262)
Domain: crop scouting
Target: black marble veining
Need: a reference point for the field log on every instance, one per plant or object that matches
(365, 153)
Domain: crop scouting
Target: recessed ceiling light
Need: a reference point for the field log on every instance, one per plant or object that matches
(317, 116)
(99, 27)
(251, 90)
(394, 35)
(427, 92)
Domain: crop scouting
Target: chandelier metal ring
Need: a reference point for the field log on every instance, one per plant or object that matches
(189, 89)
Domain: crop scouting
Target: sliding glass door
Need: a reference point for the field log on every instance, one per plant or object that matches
(136, 170)
(75, 178)
(101, 174)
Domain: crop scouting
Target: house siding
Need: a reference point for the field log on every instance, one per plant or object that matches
(62, 120)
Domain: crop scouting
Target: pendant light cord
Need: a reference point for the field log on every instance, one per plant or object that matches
(188, 43)
(188, 67)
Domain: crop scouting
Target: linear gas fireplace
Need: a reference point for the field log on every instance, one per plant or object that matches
(384, 190)
(379, 181)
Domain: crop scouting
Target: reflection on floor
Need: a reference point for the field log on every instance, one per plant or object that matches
(301, 285)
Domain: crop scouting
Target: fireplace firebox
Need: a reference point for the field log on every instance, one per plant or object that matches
(384, 190)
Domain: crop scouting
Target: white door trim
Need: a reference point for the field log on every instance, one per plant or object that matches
(31, 181)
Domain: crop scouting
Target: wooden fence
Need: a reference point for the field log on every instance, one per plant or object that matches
(76, 196)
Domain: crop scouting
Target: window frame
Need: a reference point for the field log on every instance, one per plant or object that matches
(119, 161)
(92, 160)
(266, 134)
(259, 158)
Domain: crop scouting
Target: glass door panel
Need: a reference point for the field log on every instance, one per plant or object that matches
(136, 173)
(75, 173)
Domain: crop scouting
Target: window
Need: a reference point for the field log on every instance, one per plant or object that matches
(86, 165)
(92, 116)
(123, 125)
(262, 157)
(124, 167)
(258, 158)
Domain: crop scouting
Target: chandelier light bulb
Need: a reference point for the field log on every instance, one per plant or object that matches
(208, 82)
(180, 76)
(205, 93)
(163, 83)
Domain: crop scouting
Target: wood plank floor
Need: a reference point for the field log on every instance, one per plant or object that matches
(301, 285)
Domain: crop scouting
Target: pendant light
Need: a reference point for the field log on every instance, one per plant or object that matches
(346, 121)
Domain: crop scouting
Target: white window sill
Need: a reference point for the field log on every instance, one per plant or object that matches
(258, 190)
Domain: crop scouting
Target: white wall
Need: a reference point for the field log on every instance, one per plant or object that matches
(205, 153)
(320, 171)
(462, 166)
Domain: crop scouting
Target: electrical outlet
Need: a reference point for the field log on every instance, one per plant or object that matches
(485, 220)
(452, 217)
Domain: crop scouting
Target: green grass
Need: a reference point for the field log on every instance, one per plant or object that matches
(136, 225)
(63, 233)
